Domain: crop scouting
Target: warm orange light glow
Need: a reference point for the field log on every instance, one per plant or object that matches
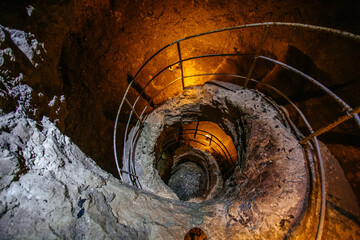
(211, 137)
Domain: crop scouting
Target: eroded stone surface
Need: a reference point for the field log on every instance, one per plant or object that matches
(270, 182)
(48, 188)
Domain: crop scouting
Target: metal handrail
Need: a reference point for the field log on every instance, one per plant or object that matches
(171, 142)
(300, 25)
(321, 86)
(131, 165)
(212, 136)
(182, 77)
(217, 141)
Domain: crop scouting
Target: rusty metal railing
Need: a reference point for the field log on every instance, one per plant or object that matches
(130, 139)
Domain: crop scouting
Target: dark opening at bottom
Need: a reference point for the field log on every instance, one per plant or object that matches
(195, 234)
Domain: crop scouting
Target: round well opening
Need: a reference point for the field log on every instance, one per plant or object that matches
(195, 159)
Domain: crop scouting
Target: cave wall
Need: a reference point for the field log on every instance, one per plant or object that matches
(92, 46)
(69, 61)
(50, 189)
(110, 40)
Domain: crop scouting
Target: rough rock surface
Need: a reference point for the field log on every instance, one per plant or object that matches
(47, 183)
(270, 181)
(57, 59)
(187, 181)
(96, 60)
(51, 190)
(77, 68)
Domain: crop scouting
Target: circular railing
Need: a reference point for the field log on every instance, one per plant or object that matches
(130, 138)
(202, 137)
(209, 138)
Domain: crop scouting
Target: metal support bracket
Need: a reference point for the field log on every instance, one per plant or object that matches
(132, 108)
(257, 53)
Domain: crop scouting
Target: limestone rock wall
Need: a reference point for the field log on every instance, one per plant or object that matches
(83, 52)
(69, 60)
(46, 184)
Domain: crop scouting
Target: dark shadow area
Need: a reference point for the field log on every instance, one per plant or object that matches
(196, 234)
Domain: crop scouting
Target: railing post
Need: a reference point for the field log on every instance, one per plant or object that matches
(210, 139)
(197, 125)
(257, 53)
(181, 66)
